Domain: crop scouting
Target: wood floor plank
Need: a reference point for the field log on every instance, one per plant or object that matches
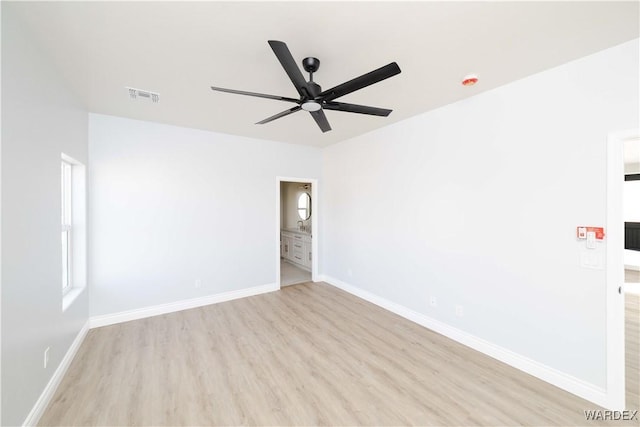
(632, 350)
(307, 355)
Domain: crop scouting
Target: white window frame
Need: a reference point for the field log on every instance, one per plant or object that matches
(66, 201)
(74, 223)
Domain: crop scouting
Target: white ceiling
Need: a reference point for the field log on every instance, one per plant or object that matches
(179, 49)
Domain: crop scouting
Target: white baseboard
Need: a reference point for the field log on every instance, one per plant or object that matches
(141, 313)
(47, 394)
(559, 379)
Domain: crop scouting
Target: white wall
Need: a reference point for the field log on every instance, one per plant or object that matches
(0, 216)
(40, 119)
(477, 203)
(170, 205)
(289, 193)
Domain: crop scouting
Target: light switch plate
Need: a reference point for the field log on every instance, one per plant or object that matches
(582, 232)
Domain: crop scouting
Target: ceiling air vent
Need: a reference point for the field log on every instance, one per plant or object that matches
(143, 94)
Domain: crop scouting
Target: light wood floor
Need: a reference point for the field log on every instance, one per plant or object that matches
(292, 275)
(632, 350)
(631, 276)
(307, 355)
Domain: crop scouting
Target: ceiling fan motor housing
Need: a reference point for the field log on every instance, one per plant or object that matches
(314, 89)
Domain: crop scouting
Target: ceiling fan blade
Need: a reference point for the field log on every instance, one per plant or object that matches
(289, 64)
(282, 114)
(259, 95)
(364, 80)
(321, 120)
(353, 108)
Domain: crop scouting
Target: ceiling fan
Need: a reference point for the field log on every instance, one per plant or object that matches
(312, 98)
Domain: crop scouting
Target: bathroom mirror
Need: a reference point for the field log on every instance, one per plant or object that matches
(304, 206)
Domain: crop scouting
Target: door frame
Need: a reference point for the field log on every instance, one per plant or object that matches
(315, 212)
(615, 268)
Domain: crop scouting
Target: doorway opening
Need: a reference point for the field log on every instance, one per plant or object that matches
(297, 224)
(631, 216)
(623, 299)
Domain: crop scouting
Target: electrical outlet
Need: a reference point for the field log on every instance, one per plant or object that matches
(349, 273)
(46, 357)
(198, 283)
(459, 311)
(433, 302)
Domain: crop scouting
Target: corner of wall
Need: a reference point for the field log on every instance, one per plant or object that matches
(47, 394)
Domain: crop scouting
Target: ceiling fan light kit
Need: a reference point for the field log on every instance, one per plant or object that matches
(312, 98)
(311, 106)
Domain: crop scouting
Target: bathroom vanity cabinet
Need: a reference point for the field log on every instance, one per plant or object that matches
(295, 247)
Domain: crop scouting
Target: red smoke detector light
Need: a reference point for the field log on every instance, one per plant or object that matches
(470, 80)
